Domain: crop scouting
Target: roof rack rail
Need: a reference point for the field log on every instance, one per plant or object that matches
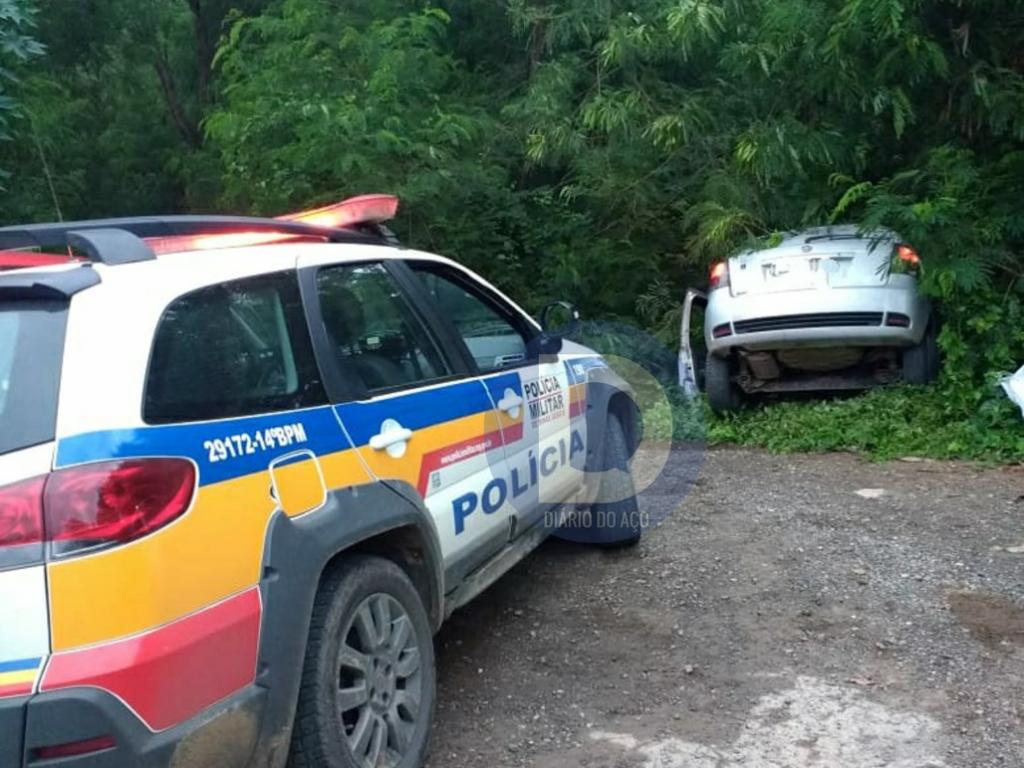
(106, 240)
(110, 246)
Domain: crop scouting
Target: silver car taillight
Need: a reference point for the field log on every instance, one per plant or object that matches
(905, 260)
(719, 277)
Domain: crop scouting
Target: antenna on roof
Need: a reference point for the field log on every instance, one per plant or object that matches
(46, 166)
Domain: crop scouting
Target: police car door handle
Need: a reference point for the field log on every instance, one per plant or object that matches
(392, 436)
(510, 402)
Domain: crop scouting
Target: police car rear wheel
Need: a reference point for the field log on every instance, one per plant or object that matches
(368, 687)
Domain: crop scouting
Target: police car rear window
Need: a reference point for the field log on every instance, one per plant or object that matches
(31, 347)
(233, 349)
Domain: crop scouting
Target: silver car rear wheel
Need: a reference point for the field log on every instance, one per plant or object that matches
(723, 393)
(921, 361)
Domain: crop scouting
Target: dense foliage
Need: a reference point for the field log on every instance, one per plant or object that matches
(594, 150)
(16, 46)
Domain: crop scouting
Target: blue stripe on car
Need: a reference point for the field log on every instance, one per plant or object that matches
(19, 665)
(419, 409)
(416, 410)
(190, 441)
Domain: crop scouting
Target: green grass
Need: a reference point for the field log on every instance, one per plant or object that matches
(962, 416)
(884, 424)
(674, 418)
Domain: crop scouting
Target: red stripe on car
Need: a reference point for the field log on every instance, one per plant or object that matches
(577, 407)
(513, 432)
(15, 689)
(172, 673)
(456, 452)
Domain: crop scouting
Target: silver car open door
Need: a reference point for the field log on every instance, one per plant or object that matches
(688, 378)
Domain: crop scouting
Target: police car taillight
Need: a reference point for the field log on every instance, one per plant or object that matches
(91, 505)
(21, 522)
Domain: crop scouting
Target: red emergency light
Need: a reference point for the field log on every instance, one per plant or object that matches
(27, 259)
(364, 209)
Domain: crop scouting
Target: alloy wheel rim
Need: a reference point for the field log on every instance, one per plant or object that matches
(379, 682)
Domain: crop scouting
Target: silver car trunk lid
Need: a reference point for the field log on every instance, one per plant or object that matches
(812, 264)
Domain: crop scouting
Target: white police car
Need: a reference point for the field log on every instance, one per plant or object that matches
(243, 481)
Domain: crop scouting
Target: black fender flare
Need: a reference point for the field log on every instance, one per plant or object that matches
(297, 552)
(607, 392)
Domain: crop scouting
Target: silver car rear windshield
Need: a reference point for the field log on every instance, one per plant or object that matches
(31, 347)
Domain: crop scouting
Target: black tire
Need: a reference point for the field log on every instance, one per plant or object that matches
(613, 519)
(921, 361)
(723, 394)
(326, 734)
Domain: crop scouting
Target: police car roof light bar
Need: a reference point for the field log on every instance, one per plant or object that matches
(365, 213)
(25, 259)
(96, 239)
(353, 211)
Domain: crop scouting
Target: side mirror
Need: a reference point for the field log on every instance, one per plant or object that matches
(558, 320)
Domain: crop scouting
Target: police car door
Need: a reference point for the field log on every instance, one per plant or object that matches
(544, 453)
(411, 408)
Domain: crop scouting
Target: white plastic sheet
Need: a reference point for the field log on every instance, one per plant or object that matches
(1014, 386)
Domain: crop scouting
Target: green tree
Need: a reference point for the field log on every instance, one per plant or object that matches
(323, 101)
(116, 106)
(597, 150)
(16, 46)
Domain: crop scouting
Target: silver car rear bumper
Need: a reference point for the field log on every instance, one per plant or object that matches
(860, 317)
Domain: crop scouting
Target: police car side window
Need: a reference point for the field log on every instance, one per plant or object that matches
(488, 329)
(233, 349)
(373, 330)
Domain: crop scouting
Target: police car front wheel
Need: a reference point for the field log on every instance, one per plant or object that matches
(368, 684)
(616, 508)
(614, 518)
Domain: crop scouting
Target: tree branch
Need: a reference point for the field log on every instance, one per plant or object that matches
(188, 130)
(204, 51)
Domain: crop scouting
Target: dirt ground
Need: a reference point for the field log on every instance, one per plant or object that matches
(775, 619)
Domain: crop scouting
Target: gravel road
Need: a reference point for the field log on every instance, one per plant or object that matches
(775, 619)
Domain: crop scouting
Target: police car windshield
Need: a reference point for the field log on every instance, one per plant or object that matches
(31, 344)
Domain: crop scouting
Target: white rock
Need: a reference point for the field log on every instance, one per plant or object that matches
(871, 493)
(812, 725)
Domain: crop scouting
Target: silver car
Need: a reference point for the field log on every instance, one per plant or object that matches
(826, 309)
